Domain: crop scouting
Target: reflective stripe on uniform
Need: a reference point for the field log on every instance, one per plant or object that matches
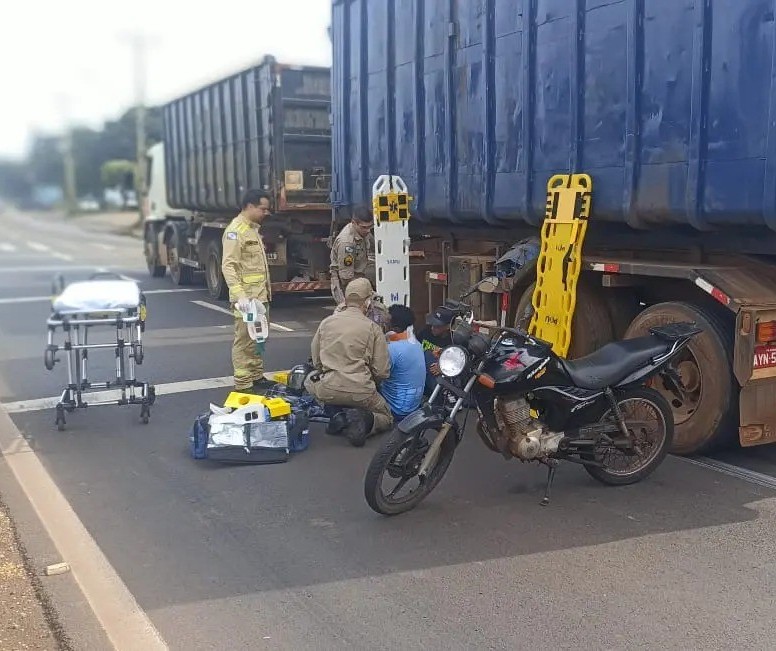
(253, 278)
(241, 227)
(241, 372)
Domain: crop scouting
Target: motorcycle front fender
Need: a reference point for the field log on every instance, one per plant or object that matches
(424, 418)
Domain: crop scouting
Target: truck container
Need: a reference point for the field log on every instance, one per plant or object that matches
(266, 128)
(668, 104)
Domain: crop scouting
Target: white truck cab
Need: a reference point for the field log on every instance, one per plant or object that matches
(157, 208)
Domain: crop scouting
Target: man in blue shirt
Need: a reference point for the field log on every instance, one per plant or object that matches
(403, 390)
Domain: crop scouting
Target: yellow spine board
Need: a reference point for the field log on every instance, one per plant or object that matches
(560, 259)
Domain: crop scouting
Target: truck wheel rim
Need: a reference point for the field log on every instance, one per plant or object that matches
(689, 371)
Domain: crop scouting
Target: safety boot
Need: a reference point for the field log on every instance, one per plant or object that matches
(359, 425)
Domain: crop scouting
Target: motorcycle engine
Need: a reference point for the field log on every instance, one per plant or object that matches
(520, 435)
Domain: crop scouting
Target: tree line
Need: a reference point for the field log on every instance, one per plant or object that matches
(102, 158)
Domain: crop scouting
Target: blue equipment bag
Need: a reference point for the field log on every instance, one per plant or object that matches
(268, 442)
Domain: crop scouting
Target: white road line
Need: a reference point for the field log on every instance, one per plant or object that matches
(38, 269)
(47, 299)
(170, 388)
(104, 247)
(738, 472)
(215, 308)
(218, 308)
(37, 246)
(62, 256)
(7, 247)
(24, 299)
(124, 622)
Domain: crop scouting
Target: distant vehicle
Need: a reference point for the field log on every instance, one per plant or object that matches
(88, 204)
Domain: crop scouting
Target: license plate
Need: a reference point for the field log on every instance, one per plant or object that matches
(764, 356)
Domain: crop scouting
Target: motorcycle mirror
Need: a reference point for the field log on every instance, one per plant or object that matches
(488, 285)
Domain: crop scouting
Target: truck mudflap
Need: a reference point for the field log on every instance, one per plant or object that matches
(301, 286)
(758, 417)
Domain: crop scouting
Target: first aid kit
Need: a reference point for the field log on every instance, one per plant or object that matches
(250, 429)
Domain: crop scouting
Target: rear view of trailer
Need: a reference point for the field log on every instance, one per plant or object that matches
(266, 127)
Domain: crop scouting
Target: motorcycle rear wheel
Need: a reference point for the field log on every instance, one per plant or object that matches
(654, 442)
(399, 457)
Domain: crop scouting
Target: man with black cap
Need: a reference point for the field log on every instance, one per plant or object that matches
(434, 338)
(350, 353)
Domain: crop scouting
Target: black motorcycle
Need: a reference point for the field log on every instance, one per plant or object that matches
(535, 406)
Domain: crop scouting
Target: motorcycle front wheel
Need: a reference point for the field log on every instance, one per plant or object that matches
(397, 461)
(649, 420)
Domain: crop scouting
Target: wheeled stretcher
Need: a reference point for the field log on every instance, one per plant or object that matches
(104, 301)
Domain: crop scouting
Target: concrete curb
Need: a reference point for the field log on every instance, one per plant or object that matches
(94, 609)
(71, 619)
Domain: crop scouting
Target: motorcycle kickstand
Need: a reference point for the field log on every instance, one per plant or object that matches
(552, 465)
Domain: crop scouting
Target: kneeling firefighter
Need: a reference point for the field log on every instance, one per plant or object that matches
(351, 358)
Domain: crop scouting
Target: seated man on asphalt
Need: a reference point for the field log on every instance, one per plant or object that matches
(433, 339)
(403, 390)
(351, 358)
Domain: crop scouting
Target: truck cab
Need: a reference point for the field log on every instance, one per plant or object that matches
(156, 212)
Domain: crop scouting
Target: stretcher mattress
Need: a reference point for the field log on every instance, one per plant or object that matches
(98, 296)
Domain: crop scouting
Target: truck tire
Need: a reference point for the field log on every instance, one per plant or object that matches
(180, 274)
(709, 418)
(150, 248)
(591, 327)
(216, 285)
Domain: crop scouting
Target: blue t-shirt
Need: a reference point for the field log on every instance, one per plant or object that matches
(403, 390)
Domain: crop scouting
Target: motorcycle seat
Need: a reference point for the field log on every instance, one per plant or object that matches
(614, 362)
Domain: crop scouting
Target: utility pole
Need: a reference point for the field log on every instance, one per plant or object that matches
(68, 159)
(139, 43)
(139, 65)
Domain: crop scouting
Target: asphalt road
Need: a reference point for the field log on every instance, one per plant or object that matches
(290, 556)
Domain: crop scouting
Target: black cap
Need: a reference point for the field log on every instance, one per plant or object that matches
(442, 316)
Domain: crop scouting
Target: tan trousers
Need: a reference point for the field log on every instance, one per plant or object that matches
(372, 402)
(247, 363)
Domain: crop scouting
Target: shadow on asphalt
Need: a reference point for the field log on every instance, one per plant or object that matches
(179, 531)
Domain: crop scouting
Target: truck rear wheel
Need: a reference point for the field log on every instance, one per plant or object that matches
(180, 274)
(150, 248)
(216, 285)
(707, 418)
(591, 327)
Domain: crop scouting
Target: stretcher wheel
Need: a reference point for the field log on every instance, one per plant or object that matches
(145, 414)
(137, 353)
(60, 420)
(48, 358)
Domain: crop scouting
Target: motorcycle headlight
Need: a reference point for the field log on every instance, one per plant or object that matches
(452, 361)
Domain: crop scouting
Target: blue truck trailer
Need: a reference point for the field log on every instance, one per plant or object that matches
(669, 105)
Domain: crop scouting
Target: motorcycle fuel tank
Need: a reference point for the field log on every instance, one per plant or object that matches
(515, 359)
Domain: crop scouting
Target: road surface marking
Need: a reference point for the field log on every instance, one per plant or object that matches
(105, 247)
(37, 246)
(223, 310)
(124, 622)
(62, 256)
(7, 247)
(38, 404)
(738, 472)
(36, 269)
(47, 299)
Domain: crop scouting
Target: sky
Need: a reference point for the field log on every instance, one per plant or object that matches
(70, 61)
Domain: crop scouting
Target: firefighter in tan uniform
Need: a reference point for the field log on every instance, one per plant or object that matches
(350, 355)
(350, 253)
(246, 272)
